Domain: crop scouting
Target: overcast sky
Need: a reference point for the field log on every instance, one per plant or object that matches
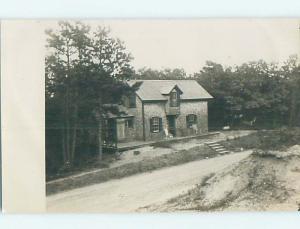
(188, 44)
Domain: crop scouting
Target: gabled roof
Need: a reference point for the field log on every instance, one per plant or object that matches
(167, 89)
(156, 89)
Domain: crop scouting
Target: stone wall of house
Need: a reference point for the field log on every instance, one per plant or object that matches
(158, 109)
(138, 120)
(154, 109)
(198, 108)
(136, 133)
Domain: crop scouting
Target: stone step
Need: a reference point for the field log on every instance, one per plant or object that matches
(216, 144)
(220, 149)
(223, 152)
(217, 147)
(208, 143)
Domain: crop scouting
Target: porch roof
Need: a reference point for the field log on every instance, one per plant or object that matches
(115, 111)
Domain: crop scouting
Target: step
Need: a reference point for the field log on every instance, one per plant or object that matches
(216, 144)
(208, 143)
(220, 149)
(217, 147)
(224, 152)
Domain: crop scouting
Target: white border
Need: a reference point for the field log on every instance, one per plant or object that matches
(151, 9)
(148, 8)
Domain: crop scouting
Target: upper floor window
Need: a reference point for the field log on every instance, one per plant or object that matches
(174, 99)
(132, 101)
(155, 124)
(191, 120)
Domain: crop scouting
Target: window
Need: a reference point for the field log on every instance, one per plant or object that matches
(155, 124)
(191, 120)
(132, 101)
(129, 123)
(174, 101)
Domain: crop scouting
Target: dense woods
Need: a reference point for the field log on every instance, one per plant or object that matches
(87, 68)
(254, 94)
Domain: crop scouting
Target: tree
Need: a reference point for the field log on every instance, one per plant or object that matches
(165, 74)
(291, 72)
(85, 69)
(254, 91)
(215, 79)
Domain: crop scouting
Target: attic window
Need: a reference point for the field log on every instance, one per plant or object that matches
(174, 100)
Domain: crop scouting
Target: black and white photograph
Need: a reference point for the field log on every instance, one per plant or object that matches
(167, 115)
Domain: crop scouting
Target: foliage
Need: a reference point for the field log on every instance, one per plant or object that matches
(252, 94)
(85, 69)
(266, 140)
(165, 74)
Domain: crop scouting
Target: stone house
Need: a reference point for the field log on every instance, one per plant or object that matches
(160, 109)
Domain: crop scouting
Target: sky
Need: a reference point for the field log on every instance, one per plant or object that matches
(189, 43)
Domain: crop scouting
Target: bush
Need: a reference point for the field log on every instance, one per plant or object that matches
(136, 152)
(266, 140)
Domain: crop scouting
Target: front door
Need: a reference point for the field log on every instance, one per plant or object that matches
(110, 132)
(121, 129)
(172, 124)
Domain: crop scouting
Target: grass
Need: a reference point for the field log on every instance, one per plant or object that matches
(146, 165)
(266, 140)
(162, 144)
(83, 165)
(196, 195)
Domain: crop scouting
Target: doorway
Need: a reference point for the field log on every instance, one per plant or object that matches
(121, 129)
(171, 119)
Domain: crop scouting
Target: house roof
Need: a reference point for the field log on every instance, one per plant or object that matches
(156, 89)
(165, 90)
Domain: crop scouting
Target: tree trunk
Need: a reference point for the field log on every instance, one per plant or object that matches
(63, 145)
(68, 162)
(100, 130)
(73, 134)
(292, 107)
(65, 126)
(68, 127)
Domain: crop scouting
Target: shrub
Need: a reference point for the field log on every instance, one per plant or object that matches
(136, 152)
(266, 140)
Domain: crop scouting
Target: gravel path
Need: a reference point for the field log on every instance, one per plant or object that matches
(131, 193)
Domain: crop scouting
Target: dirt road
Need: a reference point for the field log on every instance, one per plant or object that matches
(130, 193)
